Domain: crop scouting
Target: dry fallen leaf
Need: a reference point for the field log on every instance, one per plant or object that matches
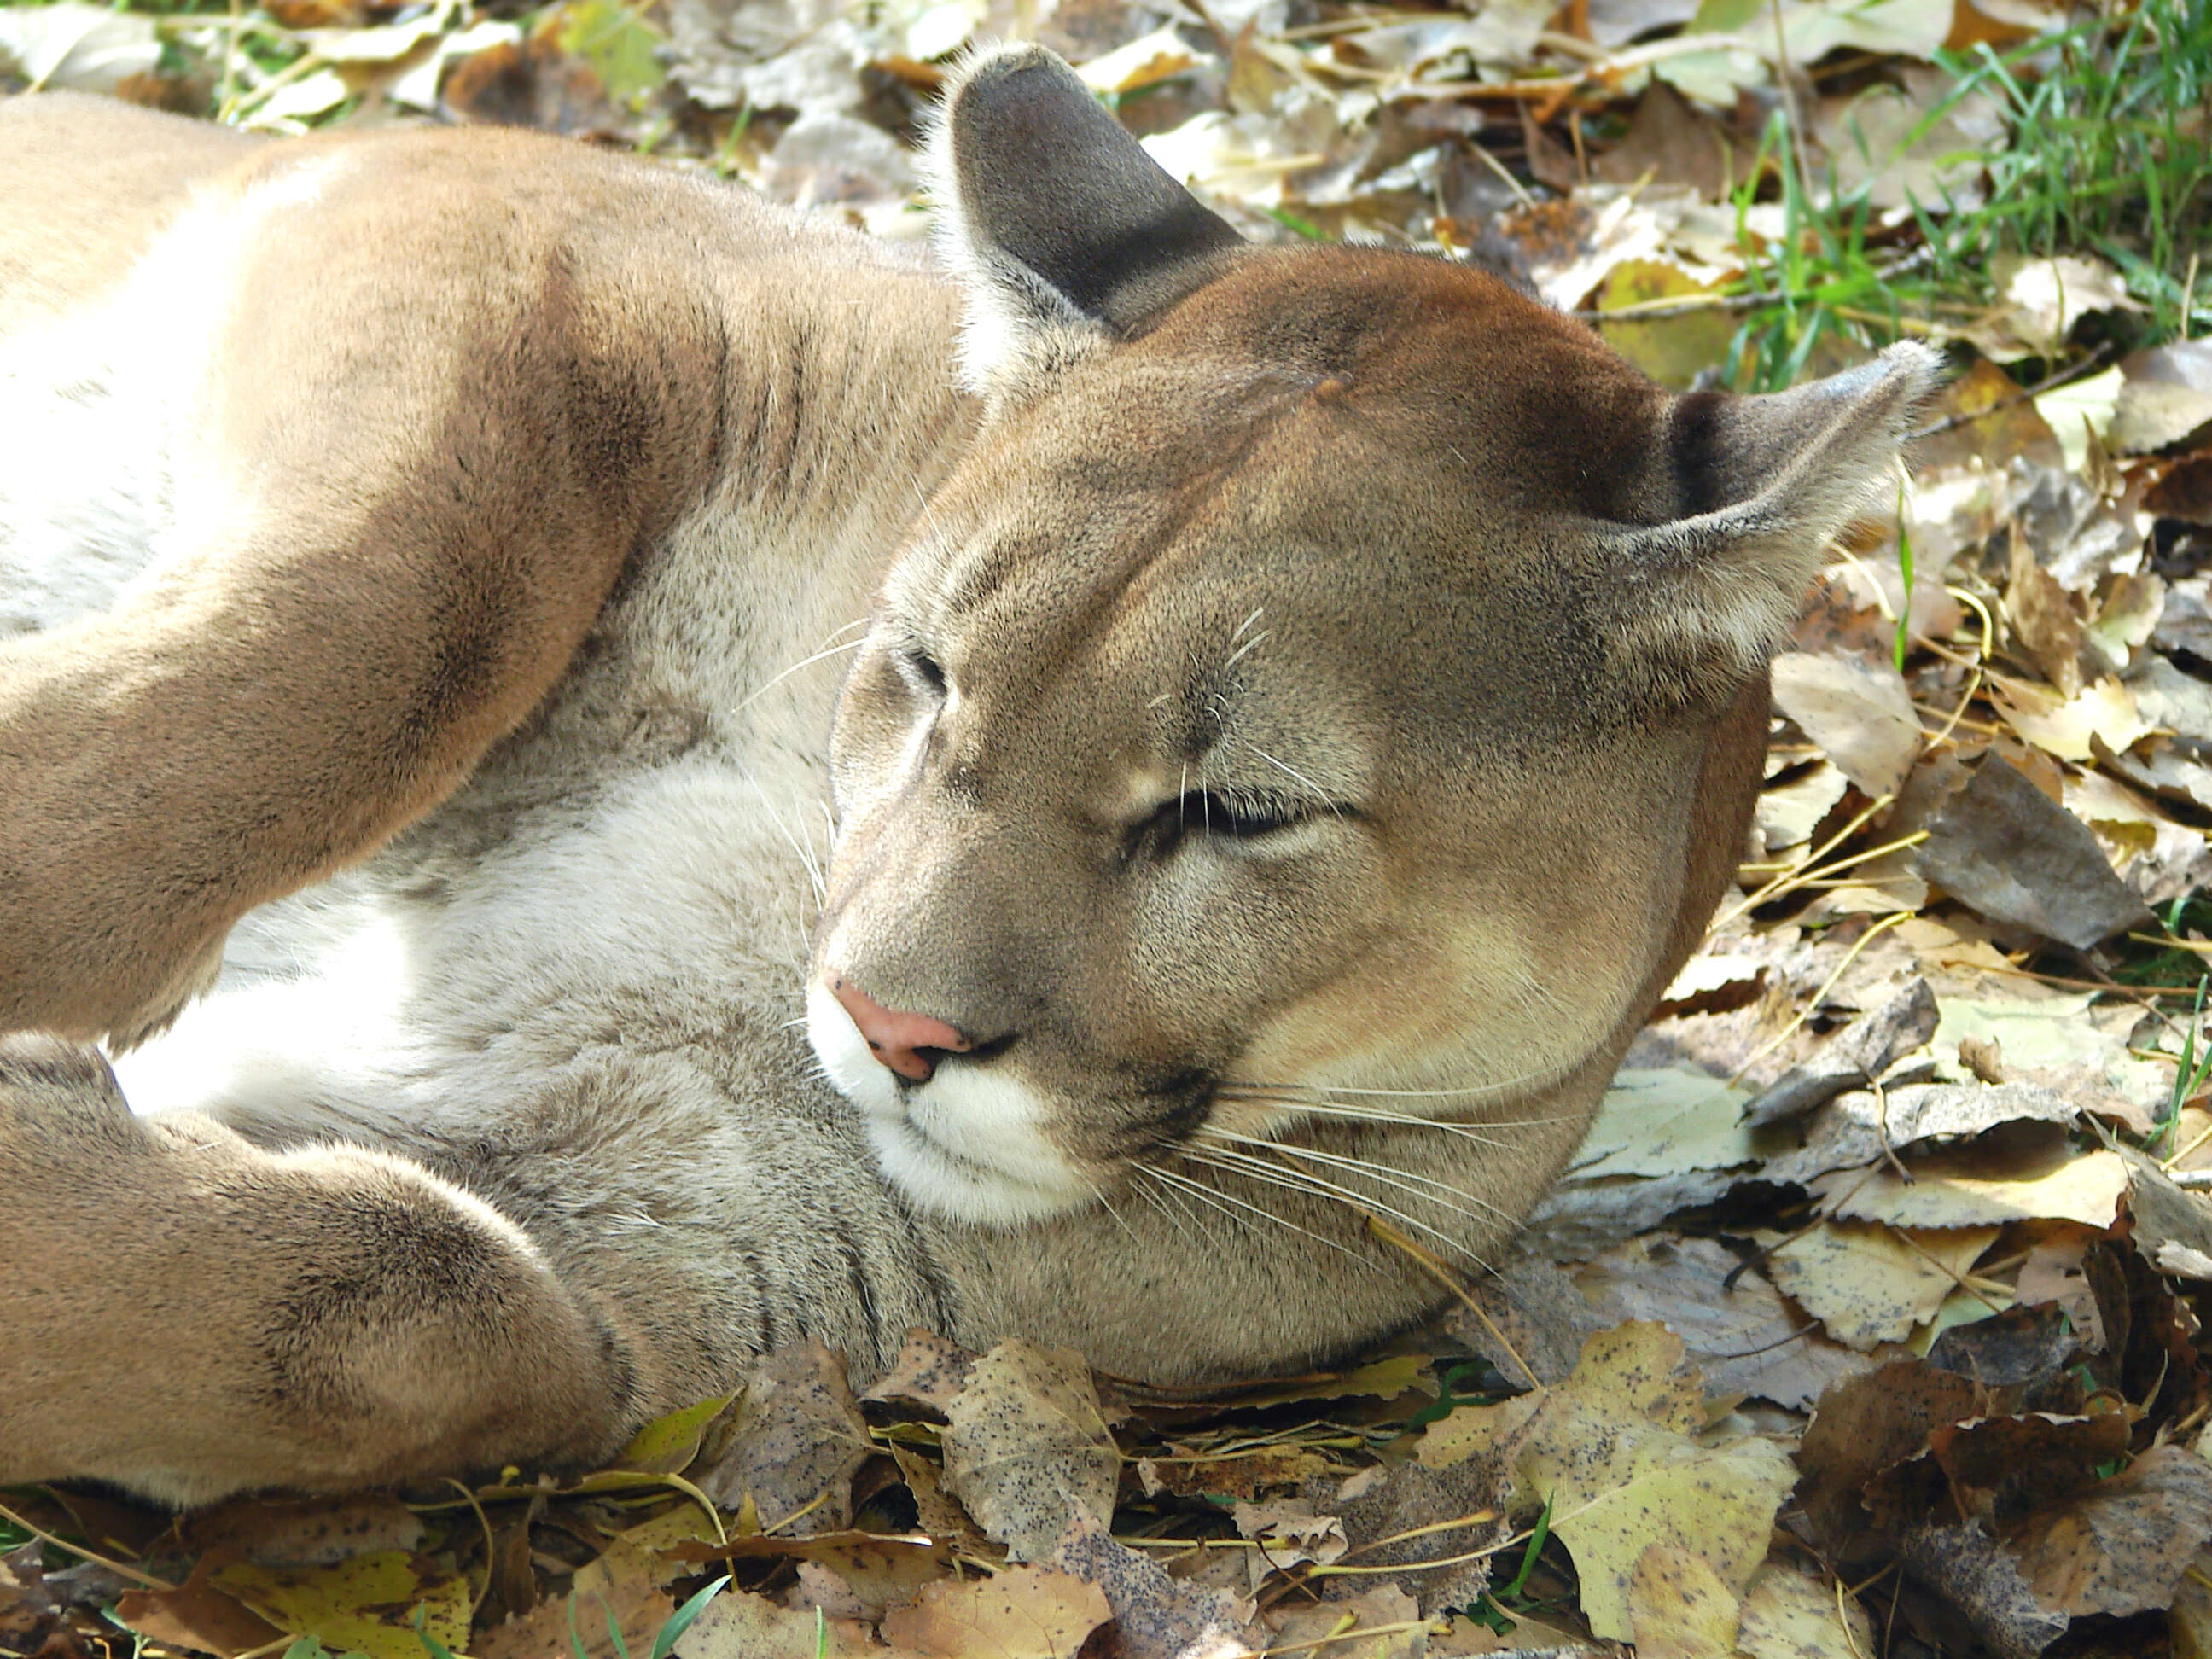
(739, 1625)
(1736, 1327)
(1679, 1607)
(1024, 1613)
(366, 1603)
(1154, 1616)
(1790, 1614)
(1868, 1283)
(2001, 846)
(1027, 1448)
(796, 1441)
(1981, 1186)
(1610, 1450)
(2121, 1546)
(1858, 712)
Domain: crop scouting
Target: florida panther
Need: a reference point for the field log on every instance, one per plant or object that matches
(1298, 709)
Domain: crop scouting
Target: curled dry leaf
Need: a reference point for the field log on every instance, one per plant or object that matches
(1858, 1129)
(930, 1372)
(1864, 1425)
(1289, 1533)
(1982, 1185)
(1027, 1449)
(1975, 1575)
(1865, 1052)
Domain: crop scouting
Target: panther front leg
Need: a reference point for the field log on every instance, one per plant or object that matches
(188, 1315)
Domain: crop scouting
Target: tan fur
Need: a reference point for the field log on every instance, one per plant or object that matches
(456, 628)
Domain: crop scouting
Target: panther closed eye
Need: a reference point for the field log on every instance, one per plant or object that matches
(1216, 815)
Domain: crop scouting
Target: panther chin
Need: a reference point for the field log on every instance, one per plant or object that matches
(968, 1143)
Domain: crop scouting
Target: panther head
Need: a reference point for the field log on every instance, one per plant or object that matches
(1299, 692)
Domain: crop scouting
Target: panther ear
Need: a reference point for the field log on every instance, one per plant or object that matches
(1063, 230)
(1765, 484)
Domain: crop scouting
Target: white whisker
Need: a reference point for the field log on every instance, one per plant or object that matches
(758, 692)
(1314, 1186)
(1388, 1175)
(1198, 1190)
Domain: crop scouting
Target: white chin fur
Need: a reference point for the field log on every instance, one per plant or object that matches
(967, 1144)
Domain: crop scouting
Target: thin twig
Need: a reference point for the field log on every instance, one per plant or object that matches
(94, 1556)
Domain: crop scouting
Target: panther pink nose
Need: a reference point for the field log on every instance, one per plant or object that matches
(897, 1039)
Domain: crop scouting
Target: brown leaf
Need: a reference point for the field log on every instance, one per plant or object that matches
(1972, 1572)
(1154, 1616)
(1865, 1052)
(2044, 619)
(1026, 1447)
(797, 1440)
(2023, 1347)
(1440, 1566)
(303, 1532)
(2121, 1546)
(2000, 846)
(29, 1609)
(1862, 1427)
(623, 1584)
(739, 1625)
(1858, 712)
(1791, 1614)
(1534, 1308)
(1024, 1613)
(938, 1513)
(930, 1372)
(1372, 1625)
(1995, 1469)
(2001, 423)
(1986, 1183)
(196, 1614)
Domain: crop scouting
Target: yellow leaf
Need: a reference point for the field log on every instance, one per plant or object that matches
(1868, 1285)
(366, 1603)
(1788, 1614)
(666, 1444)
(1968, 1190)
(1680, 1608)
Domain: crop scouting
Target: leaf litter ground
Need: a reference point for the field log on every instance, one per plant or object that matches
(1870, 1318)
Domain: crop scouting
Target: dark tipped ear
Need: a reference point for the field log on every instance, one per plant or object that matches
(1054, 215)
(1766, 483)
